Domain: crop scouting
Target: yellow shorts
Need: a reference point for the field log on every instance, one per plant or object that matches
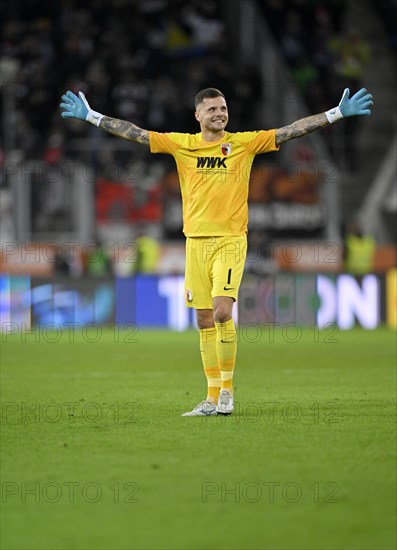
(214, 267)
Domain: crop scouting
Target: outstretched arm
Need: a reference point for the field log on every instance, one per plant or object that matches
(301, 127)
(77, 107)
(124, 129)
(359, 104)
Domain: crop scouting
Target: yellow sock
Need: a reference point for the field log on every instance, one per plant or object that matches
(209, 358)
(226, 345)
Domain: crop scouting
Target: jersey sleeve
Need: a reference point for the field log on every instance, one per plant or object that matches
(263, 141)
(164, 143)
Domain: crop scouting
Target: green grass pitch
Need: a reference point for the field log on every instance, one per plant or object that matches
(95, 454)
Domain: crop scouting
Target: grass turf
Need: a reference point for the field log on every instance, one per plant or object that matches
(307, 462)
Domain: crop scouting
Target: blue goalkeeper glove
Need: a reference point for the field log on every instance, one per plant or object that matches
(359, 104)
(77, 107)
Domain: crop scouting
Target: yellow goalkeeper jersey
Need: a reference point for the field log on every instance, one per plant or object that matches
(214, 177)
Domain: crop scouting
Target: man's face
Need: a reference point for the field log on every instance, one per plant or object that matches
(212, 114)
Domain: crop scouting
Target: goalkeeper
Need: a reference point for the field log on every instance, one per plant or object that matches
(214, 168)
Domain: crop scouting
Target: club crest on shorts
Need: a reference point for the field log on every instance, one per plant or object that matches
(189, 295)
(226, 149)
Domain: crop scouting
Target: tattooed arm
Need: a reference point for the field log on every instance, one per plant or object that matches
(301, 127)
(357, 105)
(74, 106)
(124, 129)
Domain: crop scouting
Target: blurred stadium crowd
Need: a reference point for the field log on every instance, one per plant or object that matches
(145, 60)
